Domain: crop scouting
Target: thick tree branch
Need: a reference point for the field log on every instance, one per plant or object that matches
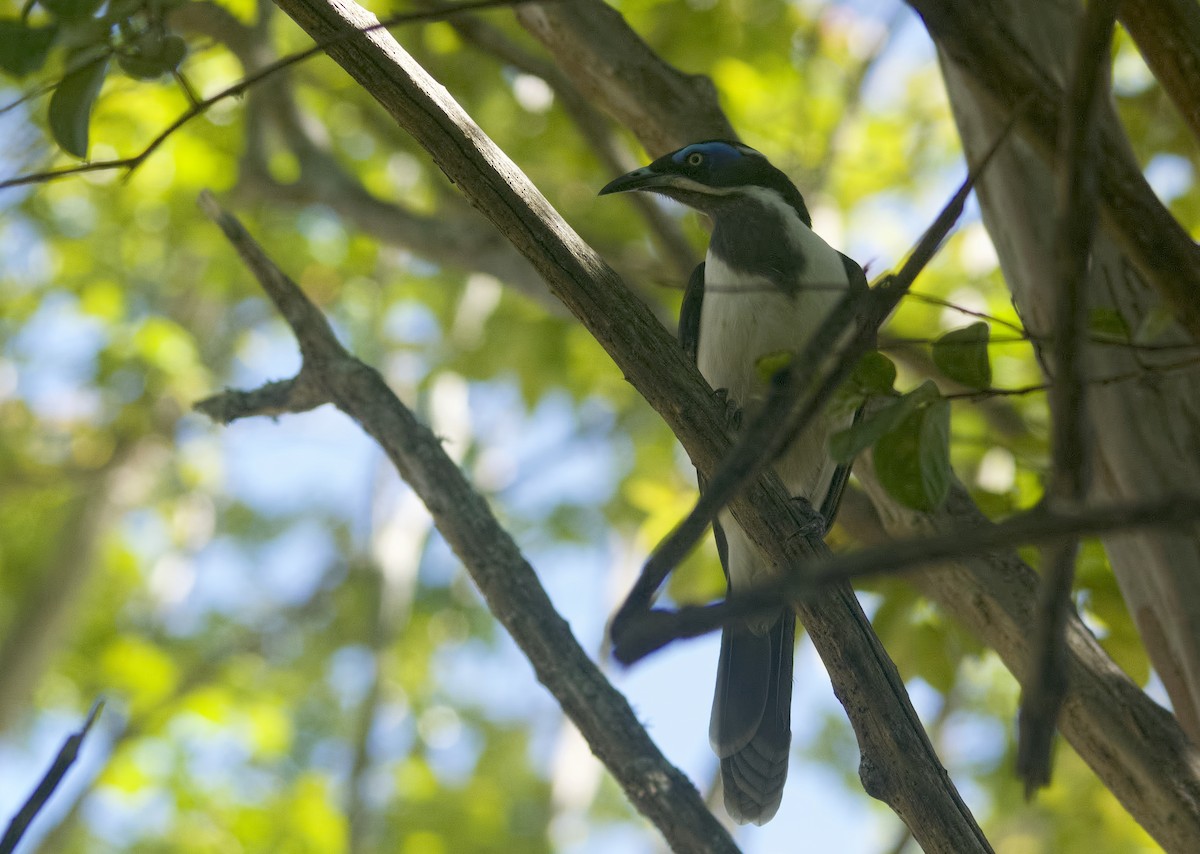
(504, 577)
(981, 41)
(595, 128)
(899, 766)
(664, 107)
(1167, 33)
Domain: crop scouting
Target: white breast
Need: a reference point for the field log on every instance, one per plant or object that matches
(746, 318)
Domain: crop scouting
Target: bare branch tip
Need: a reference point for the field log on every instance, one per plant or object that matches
(93, 715)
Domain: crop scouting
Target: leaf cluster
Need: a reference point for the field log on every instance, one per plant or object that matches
(86, 35)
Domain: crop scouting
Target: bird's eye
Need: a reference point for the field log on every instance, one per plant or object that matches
(695, 158)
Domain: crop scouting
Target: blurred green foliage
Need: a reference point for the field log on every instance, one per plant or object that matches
(252, 710)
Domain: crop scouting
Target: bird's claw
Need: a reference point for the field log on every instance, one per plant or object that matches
(809, 521)
(733, 412)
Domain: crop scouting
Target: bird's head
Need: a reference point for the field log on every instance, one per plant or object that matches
(712, 176)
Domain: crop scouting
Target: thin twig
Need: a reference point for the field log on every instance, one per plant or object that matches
(1098, 338)
(1077, 215)
(1124, 377)
(198, 108)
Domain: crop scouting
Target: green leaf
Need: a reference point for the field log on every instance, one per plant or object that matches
(1108, 323)
(71, 106)
(874, 373)
(768, 367)
(23, 49)
(1153, 327)
(71, 9)
(962, 355)
(844, 446)
(152, 56)
(120, 10)
(872, 377)
(913, 460)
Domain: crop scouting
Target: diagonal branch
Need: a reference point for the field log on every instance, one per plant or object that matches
(506, 580)
(67, 754)
(1167, 33)
(899, 765)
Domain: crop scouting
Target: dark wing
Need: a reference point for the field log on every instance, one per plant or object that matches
(689, 339)
(689, 312)
(837, 485)
(833, 498)
(858, 279)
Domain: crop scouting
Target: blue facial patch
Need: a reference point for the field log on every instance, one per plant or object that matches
(716, 153)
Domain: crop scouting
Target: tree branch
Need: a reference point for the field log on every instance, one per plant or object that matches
(1035, 527)
(899, 765)
(1134, 746)
(1070, 440)
(62, 763)
(982, 43)
(1167, 33)
(664, 107)
(504, 577)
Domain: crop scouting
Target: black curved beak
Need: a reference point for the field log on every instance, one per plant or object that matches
(638, 179)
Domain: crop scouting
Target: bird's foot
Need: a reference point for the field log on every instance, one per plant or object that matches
(733, 412)
(809, 521)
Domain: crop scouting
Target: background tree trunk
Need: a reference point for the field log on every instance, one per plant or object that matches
(1147, 431)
